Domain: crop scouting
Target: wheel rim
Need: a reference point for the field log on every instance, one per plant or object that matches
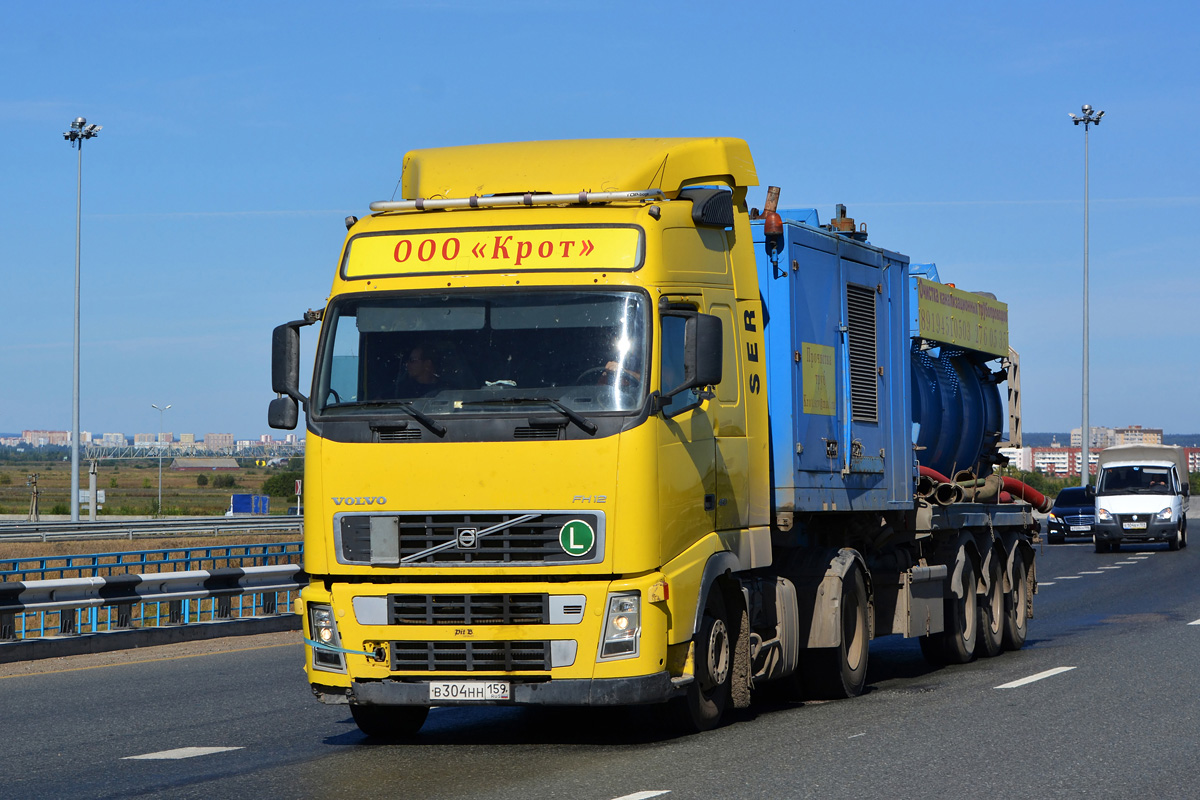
(716, 665)
(852, 632)
(969, 604)
(996, 603)
(1020, 596)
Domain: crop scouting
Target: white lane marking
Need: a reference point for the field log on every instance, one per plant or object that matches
(1091, 572)
(644, 795)
(182, 752)
(1045, 583)
(1197, 622)
(1109, 568)
(1127, 563)
(855, 736)
(1050, 673)
(1066, 578)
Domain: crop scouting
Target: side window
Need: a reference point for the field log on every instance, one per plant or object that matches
(672, 347)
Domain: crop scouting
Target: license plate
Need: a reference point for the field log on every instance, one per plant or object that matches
(1081, 527)
(1134, 526)
(469, 690)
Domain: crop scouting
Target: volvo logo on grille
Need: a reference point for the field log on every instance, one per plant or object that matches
(466, 538)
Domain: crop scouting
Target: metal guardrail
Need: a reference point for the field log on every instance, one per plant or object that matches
(71, 606)
(93, 565)
(156, 528)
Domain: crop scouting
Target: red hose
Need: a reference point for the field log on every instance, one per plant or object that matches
(1027, 493)
(933, 473)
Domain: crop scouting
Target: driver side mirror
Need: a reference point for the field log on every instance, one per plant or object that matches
(284, 411)
(1090, 491)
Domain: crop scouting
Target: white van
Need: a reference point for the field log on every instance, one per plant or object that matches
(1141, 496)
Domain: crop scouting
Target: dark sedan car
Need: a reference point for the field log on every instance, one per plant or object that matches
(1074, 514)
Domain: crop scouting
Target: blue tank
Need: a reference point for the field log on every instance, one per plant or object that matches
(862, 388)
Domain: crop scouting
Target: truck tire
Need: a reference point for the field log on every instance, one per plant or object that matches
(708, 695)
(1101, 545)
(1016, 602)
(389, 722)
(956, 644)
(990, 640)
(834, 673)
(1176, 541)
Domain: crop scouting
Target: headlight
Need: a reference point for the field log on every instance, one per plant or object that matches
(322, 619)
(1053, 517)
(1164, 515)
(1103, 515)
(324, 631)
(622, 626)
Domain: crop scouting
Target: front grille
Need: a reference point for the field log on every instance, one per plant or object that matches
(469, 609)
(439, 539)
(470, 656)
(1090, 519)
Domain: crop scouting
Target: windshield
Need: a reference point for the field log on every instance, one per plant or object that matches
(1135, 480)
(1072, 497)
(482, 353)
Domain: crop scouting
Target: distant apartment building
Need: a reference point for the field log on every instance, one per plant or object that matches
(1062, 460)
(144, 439)
(47, 438)
(113, 440)
(1101, 437)
(11, 441)
(187, 438)
(1109, 437)
(1019, 458)
(290, 439)
(218, 441)
(1136, 434)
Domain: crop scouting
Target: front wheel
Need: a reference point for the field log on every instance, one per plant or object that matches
(389, 722)
(833, 673)
(1101, 545)
(708, 695)
(1176, 541)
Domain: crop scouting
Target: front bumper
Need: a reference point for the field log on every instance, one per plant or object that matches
(1056, 528)
(1154, 531)
(639, 690)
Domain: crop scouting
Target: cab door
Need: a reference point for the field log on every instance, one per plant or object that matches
(686, 447)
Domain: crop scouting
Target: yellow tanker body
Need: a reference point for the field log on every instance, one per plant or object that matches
(537, 464)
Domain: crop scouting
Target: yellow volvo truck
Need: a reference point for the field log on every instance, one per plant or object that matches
(584, 429)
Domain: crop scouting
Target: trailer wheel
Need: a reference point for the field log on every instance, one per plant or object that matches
(389, 722)
(991, 613)
(708, 694)
(956, 644)
(833, 673)
(1016, 617)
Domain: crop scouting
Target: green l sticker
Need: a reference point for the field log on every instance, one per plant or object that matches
(576, 538)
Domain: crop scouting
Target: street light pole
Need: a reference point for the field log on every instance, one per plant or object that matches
(1085, 438)
(79, 132)
(160, 444)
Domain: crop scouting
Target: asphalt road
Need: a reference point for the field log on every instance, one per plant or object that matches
(1119, 718)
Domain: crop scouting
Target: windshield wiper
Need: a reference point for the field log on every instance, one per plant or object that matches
(583, 422)
(405, 406)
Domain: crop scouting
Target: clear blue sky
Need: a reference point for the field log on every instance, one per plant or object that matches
(237, 136)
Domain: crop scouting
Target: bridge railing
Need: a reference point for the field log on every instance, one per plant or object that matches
(66, 607)
(169, 559)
